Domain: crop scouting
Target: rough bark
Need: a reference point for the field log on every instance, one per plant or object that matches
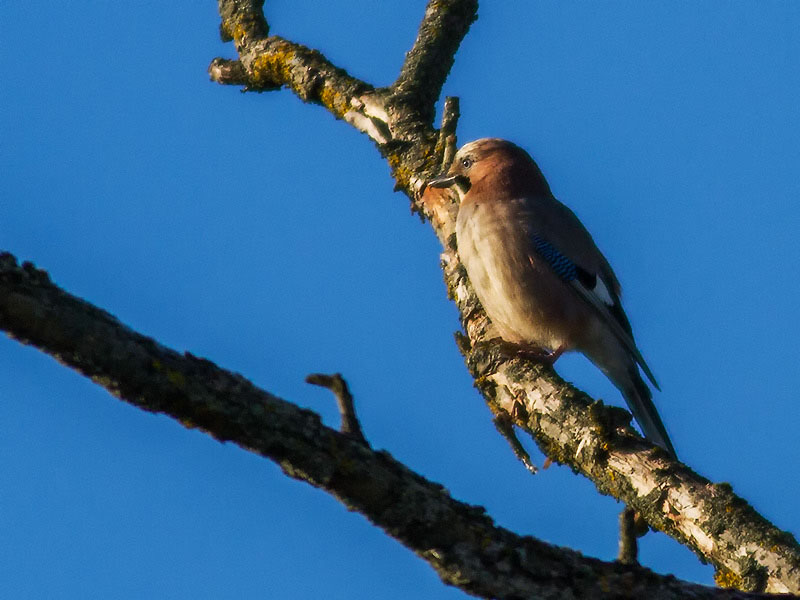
(458, 540)
(748, 552)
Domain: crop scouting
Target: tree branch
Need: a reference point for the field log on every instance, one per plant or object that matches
(592, 439)
(398, 118)
(458, 540)
(717, 525)
(595, 440)
(429, 61)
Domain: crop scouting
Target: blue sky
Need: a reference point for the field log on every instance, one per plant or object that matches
(262, 234)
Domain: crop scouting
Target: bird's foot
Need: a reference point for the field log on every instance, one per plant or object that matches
(540, 354)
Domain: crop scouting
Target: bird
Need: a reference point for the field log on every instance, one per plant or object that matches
(539, 275)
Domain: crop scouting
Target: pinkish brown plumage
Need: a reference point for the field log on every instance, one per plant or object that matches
(538, 273)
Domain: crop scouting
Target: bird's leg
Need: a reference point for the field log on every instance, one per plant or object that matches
(540, 354)
(529, 351)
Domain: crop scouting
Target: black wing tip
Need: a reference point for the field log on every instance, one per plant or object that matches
(650, 377)
(646, 414)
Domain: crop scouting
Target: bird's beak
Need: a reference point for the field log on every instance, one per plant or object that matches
(444, 180)
(458, 182)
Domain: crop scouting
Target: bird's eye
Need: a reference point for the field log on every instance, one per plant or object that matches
(466, 162)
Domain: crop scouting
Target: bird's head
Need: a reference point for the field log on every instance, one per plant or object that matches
(492, 162)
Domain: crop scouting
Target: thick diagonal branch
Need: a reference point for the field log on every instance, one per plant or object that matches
(460, 541)
(595, 440)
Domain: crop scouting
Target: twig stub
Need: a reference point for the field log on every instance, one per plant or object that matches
(504, 424)
(336, 383)
(628, 546)
(447, 134)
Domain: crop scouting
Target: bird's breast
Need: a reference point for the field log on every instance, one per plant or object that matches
(525, 300)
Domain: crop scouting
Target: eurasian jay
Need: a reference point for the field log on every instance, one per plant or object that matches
(538, 273)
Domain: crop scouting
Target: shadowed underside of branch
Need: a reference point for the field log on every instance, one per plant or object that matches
(458, 540)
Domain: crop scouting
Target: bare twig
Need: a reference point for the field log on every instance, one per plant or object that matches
(446, 148)
(336, 383)
(447, 134)
(505, 426)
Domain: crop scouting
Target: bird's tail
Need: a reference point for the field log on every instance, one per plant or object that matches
(621, 368)
(640, 401)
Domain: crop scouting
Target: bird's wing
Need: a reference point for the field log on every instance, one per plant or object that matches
(596, 290)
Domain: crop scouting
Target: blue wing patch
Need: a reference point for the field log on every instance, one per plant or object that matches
(565, 269)
(585, 284)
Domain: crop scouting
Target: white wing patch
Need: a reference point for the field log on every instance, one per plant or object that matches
(601, 291)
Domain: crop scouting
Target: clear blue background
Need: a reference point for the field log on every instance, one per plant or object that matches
(262, 234)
